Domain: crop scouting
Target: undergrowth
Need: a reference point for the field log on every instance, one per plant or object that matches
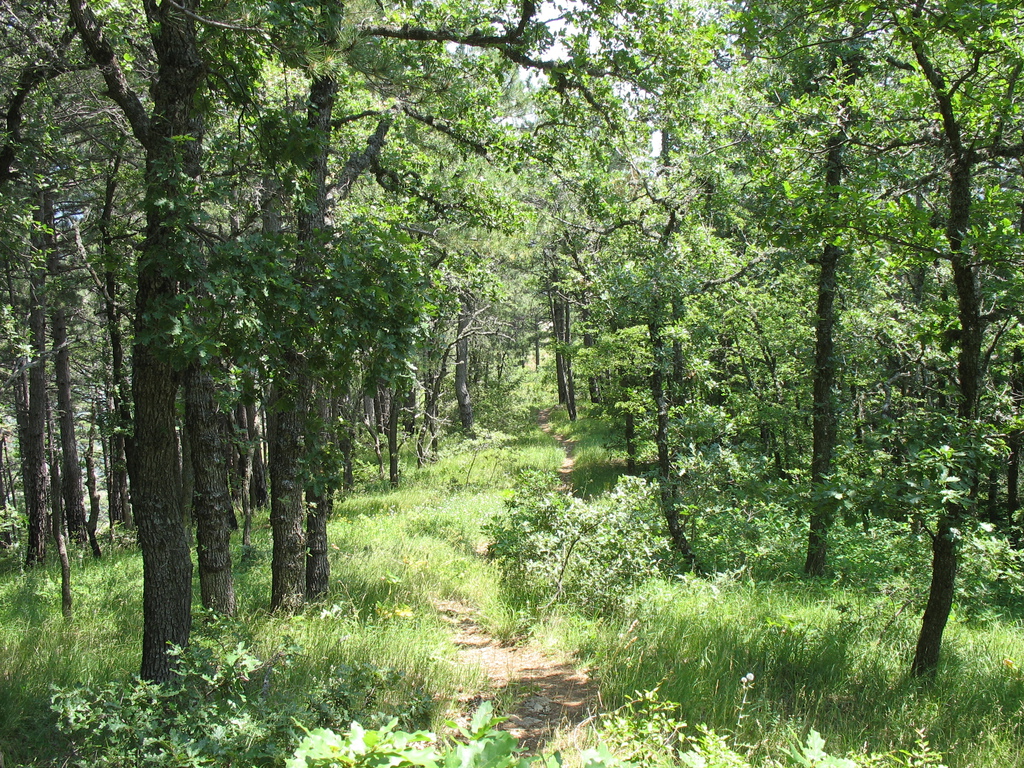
(755, 660)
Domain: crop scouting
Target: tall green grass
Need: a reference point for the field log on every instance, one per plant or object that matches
(822, 657)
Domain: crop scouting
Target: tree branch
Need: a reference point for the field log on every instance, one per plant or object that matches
(100, 50)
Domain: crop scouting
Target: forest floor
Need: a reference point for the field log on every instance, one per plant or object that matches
(544, 694)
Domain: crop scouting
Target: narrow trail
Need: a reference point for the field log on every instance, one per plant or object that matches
(569, 446)
(547, 695)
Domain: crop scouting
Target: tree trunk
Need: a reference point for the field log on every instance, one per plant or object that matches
(246, 450)
(823, 427)
(319, 499)
(71, 470)
(665, 475)
(462, 365)
(318, 564)
(394, 416)
(90, 482)
(211, 499)
(287, 508)
(258, 483)
(563, 361)
(1015, 441)
(940, 598)
(57, 526)
(969, 363)
(152, 458)
(186, 478)
(118, 504)
(372, 420)
(33, 450)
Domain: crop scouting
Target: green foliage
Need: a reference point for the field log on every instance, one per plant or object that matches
(226, 707)
(647, 730)
(216, 712)
(553, 547)
(480, 745)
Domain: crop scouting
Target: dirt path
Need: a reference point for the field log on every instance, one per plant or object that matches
(549, 695)
(543, 420)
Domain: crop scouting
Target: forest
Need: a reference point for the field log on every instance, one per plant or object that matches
(673, 342)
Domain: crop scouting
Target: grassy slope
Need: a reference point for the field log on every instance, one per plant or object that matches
(828, 656)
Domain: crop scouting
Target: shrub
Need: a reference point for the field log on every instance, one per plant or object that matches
(225, 707)
(552, 547)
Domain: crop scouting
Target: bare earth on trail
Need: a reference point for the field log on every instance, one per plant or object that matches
(567, 445)
(549, 694)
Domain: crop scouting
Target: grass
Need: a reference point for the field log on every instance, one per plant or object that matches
(830, 655)
(597, 465)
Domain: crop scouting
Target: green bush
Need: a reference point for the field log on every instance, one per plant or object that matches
(552, 547)
(481, 745)
(225, 707)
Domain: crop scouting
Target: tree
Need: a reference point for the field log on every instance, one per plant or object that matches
(171, 135)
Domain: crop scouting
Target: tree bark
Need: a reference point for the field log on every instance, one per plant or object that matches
(563, 362)
(319, 499)
(90, 483)
(172, 135)
(969, 362)
(33, 450)
(57, 523)
(823, 427)
(462, 364)
(211, 500)
(287, 509)
(245, 451)
(293, 382)
(118, 396)
(394, 416)
(71, 470)
(1015, 441)
(258, 496)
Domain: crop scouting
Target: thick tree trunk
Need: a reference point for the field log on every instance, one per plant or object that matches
(394, 416)
(172, 135)
(287, 509)
(823, 427)
(211, 500)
